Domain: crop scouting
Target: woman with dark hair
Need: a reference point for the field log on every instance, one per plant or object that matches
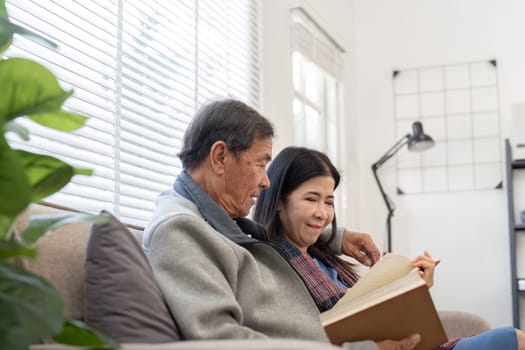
(296, 209)
(295, 168)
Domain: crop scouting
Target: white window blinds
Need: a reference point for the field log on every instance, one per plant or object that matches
(318, 85)
(139, 71)
(314, 43)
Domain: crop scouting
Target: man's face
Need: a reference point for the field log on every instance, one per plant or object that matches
(245, 177)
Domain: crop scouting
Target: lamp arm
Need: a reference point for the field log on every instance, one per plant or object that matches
(389, 154)
(393, 150)
(389, 204)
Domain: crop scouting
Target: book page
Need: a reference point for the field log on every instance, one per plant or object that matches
(389, 268)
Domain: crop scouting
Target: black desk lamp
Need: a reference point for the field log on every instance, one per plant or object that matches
(418, 141)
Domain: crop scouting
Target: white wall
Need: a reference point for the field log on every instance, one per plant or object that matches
(335, 16)
(277, 88)
(468, 230)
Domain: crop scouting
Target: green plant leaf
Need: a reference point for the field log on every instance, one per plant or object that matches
(80, 171)
(39, 225)
(21, 131)
(29, 304)
(79, 334)
(3, 9)
(28, 88)
(60, 120)
(47, 174)
(6, 38)
(6, 30)
(15, 188)
(13, 336)
(5, 227)
(10, 249)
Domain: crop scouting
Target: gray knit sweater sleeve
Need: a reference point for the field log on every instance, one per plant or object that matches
(336, 242)
(192, 270)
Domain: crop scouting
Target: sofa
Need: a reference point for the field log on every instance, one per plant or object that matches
(62, 258)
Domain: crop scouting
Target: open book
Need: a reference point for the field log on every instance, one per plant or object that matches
(391, 301)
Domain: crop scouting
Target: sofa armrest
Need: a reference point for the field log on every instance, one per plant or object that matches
(462, 324)
(253, 344)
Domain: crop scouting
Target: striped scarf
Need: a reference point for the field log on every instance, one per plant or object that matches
(449, 345)
(343, 269)
(324, 291)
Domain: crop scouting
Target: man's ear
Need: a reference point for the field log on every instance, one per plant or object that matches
(219, 151)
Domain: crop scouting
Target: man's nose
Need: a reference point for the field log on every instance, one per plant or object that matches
(265, 181)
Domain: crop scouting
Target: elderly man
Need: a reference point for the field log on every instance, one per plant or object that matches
(218, 281)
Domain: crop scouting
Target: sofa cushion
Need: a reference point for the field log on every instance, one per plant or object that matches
(459, 324)
(122, 299)
(60, 259)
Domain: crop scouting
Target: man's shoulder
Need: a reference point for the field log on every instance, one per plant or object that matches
(171, 207)
(171, 201)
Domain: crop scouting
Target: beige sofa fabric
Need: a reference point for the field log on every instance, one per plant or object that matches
(462, 324)
(61, 261)
(275, 344)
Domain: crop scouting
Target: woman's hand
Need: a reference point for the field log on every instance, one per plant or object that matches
(426, 265)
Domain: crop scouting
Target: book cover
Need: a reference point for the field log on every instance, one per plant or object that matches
(391, 301)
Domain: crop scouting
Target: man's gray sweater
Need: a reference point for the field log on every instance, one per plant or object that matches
(219, 288)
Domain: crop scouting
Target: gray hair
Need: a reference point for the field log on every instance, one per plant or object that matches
(233, 122)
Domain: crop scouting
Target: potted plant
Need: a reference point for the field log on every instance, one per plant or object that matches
(32, 309)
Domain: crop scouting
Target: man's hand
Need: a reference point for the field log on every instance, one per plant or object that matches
(407, 343)
(361, 247)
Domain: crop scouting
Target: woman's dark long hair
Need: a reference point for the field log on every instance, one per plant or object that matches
(292, 167)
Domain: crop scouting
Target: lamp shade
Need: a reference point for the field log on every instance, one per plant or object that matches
(419, 141)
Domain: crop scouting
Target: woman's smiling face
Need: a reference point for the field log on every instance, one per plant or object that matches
(307, 210)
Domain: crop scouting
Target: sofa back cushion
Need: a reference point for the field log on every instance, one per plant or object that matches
(60, 259)
(122, 299)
